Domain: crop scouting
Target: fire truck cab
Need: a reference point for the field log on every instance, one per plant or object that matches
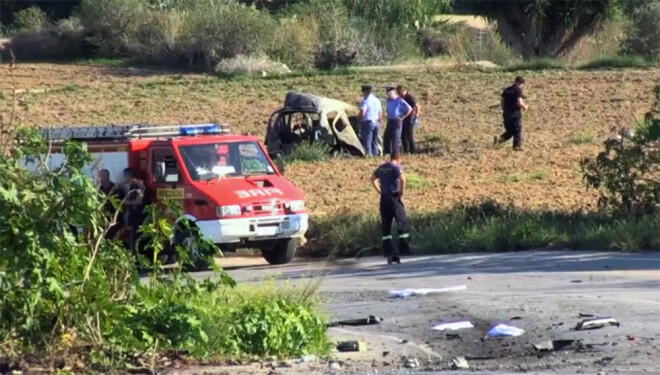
(227, 185)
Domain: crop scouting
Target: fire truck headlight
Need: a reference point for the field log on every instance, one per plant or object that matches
(234, 210)
(297, 206)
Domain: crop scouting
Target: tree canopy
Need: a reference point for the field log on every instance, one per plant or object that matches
(541, 28)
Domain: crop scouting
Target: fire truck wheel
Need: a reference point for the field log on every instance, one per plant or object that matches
(198, 261)
(282, 252)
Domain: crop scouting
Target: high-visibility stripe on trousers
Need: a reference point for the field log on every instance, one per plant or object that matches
(392, 208)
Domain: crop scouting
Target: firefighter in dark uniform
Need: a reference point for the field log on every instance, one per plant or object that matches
(512, 107)
(391, 186)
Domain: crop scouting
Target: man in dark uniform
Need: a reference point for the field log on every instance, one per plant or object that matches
(512, 107)
(391, 186)
(397, 110)
(408, 132)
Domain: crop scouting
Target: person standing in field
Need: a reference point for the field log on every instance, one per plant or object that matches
(512, 107)
(397, 110)
(408, 136)
(390, 182)
(371, 112)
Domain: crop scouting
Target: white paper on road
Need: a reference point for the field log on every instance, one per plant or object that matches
(453, 326)
(502, 330)
(403, 293)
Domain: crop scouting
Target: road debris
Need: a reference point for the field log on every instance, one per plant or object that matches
(459, 363)
(334, 366)
(405, 293)
(632, 338)
(352, 346)
(411, 363)
(502, 330)
(453, 326)
(308, 358)
(597, 323)
(371, 320)
(551, 345)
(604, 361)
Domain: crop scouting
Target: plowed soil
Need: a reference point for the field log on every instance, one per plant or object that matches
(571, 114)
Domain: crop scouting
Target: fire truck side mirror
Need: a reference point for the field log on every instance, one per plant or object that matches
(279, 162)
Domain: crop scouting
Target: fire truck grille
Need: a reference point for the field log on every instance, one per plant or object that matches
(267, 207)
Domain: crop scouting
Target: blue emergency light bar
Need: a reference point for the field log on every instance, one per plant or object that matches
(203, 129)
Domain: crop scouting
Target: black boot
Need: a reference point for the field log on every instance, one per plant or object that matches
(393, 259)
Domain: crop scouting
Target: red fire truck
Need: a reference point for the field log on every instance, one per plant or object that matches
(228, 186)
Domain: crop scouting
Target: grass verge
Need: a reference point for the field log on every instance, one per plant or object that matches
(488, 227)
(538, 64)
(618, 62)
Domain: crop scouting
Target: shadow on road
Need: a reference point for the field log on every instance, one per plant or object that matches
(462, 264)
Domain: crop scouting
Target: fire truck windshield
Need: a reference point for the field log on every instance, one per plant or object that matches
(231, 159)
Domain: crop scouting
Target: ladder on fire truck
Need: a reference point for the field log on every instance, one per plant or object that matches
(128, 132)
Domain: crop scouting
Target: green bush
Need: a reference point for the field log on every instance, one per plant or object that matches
(389, 14)
(644, 36)
(488, 227)
(63, 40)
(626, 172)
(224, 29)
(61, 290)
(309, 152)
(538, 64)
(192, 33)
(31, 19)
(617, 62)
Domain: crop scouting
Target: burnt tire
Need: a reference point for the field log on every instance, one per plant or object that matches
(198, 261)
(282, 252)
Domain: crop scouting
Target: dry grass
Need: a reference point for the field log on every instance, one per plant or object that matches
(455, 105)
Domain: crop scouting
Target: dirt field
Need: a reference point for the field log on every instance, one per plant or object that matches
(571, 114)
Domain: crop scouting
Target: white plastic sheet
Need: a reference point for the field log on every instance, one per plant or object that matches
(503, 330)
(404, 293)
(453, 326)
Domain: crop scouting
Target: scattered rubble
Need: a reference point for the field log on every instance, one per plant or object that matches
(551, 345)
(334, 366)
(352, 346)
(460, 363)
(597, 323)
(371, 320)
(405, 293)
(411, 363)
(453, 326)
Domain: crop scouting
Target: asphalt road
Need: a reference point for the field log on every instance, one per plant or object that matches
(544, 292)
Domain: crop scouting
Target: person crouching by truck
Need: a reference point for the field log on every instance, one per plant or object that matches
(390, 182)
(370, 114)
(397, 111)
(110, 190)
(134, 206)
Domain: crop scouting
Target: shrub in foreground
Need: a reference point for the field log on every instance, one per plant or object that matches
(626, 172)
(78, 296)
